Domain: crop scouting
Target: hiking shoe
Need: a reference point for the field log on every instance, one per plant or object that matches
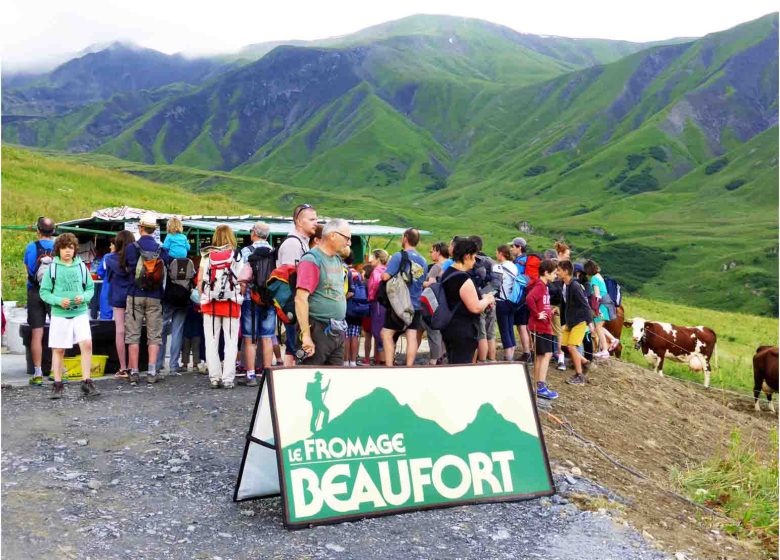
(36, 380)
(578, 379)
(215, 384)
(88, 388)
(561, 366)
(133, 377)
(152, 378)
(524, 357)
(57, 390)
(544, 392)
(229, 384)
(251, 380)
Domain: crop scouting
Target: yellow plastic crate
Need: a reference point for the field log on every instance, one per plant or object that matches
(73, 366)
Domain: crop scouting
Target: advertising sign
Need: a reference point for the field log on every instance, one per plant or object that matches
(360, 442)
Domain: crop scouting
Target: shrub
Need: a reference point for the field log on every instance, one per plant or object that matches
(572, 165)
(735, 184)
(641, 182)
(657, 153)
(634, 161)
(535, 170)
(716, 166)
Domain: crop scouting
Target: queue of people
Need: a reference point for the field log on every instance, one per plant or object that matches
(210, 309)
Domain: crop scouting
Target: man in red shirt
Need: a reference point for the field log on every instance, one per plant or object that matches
(540, 325)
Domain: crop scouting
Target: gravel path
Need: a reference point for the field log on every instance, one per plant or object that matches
(149, 472)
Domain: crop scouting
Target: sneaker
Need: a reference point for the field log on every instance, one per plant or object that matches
(152, 378)
(203, 368)
(215, 384)
(133, 377)
(36, 380)
(227, 385)
(88, 388)
(601, 355)
(615, 344)
(57, 390)
(578, 379)
(524, 357)
(251, 380)
(561, 366)
(544, 392)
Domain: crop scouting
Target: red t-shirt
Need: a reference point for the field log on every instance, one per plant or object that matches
(538, 300)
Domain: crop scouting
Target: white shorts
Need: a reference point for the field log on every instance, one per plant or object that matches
(64, 332)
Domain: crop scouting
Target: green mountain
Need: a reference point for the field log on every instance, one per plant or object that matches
(488, 432)
(652, 162)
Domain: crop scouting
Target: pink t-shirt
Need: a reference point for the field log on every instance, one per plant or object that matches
(374, 280)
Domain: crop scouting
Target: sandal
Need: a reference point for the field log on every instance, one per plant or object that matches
(122, 374)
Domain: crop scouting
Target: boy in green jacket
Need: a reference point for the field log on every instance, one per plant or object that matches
(67, 286)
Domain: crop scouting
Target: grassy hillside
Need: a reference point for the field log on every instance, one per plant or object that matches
(35, 185)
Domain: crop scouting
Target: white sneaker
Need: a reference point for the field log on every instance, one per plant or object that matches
(561, 366)
(601, 355)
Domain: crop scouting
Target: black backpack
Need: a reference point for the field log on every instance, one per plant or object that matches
(263, 262)
(181, 275)
(483, 276)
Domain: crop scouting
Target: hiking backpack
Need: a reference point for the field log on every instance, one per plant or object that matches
(43, 259)
(262, 260)
(281, 286)
(519, 284)
(150, 269)
(357, 305)
(179, 285)
(435, 308)
(220, 278)
(532, 263)
(394, 292)
(483, 276)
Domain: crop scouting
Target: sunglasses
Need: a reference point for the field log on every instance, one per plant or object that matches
(300, 209)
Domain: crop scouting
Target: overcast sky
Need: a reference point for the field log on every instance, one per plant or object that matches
(36, 30)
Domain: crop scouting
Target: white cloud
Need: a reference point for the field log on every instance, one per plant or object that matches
(36, 30)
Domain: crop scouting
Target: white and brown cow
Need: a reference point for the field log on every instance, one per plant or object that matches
(690, 345)
(765, 374)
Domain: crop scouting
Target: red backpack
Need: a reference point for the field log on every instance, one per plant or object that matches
(532, 266)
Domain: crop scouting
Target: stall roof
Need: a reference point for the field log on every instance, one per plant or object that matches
(240, 224)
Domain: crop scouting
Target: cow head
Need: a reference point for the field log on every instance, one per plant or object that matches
(637, 326)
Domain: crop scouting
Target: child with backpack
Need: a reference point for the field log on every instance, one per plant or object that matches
(357, 309)
(540, 325)
(220, 300)
(68, 288)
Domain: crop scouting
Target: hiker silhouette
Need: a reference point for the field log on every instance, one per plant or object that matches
(315, 394)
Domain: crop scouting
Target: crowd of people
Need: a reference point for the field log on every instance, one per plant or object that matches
(204, 310)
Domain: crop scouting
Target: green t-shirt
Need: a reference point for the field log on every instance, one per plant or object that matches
(328, 301)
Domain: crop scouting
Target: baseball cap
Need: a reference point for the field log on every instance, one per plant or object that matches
(148, 219)
(578, 267)
(519, 242)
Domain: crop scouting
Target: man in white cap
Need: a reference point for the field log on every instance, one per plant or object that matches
(148, 260)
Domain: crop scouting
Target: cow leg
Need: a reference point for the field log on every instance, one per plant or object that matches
(659, 365)
(769, 398)
(707, 373)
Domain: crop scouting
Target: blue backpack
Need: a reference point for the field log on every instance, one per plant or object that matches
(519, 284)
(614, 290)
(357, 305)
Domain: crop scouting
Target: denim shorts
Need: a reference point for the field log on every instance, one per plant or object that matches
(264, 319)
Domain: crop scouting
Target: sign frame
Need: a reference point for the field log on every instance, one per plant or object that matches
(295, 525)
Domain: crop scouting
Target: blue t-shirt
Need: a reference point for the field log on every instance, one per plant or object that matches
(106, 310)
(177, 245)
(119, 280)
(419, 269)
(30, 255)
